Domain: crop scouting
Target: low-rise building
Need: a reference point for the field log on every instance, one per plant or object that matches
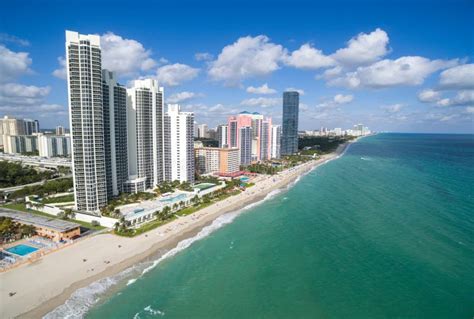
(55, 229)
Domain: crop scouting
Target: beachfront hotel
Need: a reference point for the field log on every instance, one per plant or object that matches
(216, 160)
(86, 120)
(289, 135)
(179, 145)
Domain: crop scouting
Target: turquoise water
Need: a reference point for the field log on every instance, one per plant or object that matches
(21, 250)
(386, 231)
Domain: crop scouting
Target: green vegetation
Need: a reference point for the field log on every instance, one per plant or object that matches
(310, 145)
(168, 214)
(263, 168)
(50, 187)
(208, 142)
(14, 174)
(208, 179)
(58, 199)
(68, 215)
(10, 230)
(169, 187)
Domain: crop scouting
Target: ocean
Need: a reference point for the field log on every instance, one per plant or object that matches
(385, 231)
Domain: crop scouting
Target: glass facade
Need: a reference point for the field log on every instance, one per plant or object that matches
(289, 136)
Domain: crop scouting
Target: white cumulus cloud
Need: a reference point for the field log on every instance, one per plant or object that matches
(300, 91)
(203, 56)
(462, 98)
(247, 57)
(308, 57)
(182, 97)
(175, 74)
(264, 89)
(458, 77)
(13, 64)
(364, 48)
(428, 96)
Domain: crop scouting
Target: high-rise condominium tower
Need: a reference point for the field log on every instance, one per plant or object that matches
(179, 145)
(222, 131)
(84, 76)
(289, 136)
(276, 139)
(145, 131)
(31, 126)
(245, 145)
(115, 133)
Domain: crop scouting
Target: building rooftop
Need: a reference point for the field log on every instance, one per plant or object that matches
(38, 221)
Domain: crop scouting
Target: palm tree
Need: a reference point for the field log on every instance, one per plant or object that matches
(181, 204)
(175, 206)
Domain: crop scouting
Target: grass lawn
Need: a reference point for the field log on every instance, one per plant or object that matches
(22, 207)
(59, 199)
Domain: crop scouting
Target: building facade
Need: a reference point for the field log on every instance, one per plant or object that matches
(215, 160)
(179, 146)
(222, 132)
(145, 131)
(245, 143)
(84, 76)
(115, 133)
(54, 145)
(31, 126)
(289, 135)
(20, 144)
(60, 130)
(276, 138)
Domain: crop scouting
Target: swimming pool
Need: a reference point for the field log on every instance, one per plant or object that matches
(173, 199)
(21, 250)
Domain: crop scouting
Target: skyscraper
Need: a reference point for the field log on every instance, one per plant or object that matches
(179, 146)
(31, 126)
(84, 75)
(265, 139)
(222, 132)
(289, 136)
(276, 139)
(115, 133)
(245, 145)
(145, 131)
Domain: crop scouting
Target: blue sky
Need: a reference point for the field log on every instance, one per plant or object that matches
(392, 65)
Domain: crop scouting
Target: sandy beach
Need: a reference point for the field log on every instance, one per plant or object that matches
(47, 283)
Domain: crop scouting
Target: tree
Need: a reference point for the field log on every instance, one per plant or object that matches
(95, 223)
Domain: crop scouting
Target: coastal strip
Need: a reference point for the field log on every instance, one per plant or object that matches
(44, 285)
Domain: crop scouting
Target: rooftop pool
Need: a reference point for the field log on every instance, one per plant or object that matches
(21, 250)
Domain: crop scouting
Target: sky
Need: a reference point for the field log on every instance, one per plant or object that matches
(405, 66)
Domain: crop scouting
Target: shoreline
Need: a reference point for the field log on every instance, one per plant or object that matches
(66, 272)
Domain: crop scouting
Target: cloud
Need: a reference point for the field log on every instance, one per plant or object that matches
(428, 96)
(470, 109)
(247, 57)
(182, 97)
(408, 71)
(308, 57)
(337, 100)
(363, 49)
(175, 74)
(261, 102)
(4, 37)
(19, 94)
(458, 77)
(462, 98)
(203, 56)
(13, 64)
(343, 99)
(264, 89)
(300, 91)
(124, 56)
(393, 108)
(61, 72)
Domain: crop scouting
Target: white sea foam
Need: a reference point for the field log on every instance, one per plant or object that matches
(84, 298)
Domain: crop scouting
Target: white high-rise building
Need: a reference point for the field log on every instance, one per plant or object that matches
(115, 133)
(54, 145)
(222, 131)
(203, 131)
(179, 146)
(145, 131)
(84, 75)
(276, 138)
(60, 130)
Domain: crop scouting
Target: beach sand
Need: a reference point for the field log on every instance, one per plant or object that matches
(48, 282)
